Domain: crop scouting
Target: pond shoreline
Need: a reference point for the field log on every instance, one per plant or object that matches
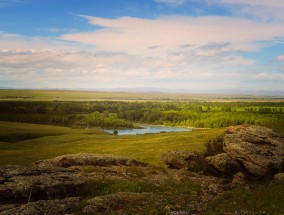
(147, 129)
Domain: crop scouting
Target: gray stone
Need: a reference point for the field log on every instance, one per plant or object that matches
(183, 159)
(258, 149)
(223, 164)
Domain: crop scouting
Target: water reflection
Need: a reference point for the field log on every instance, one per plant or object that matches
(148, 129)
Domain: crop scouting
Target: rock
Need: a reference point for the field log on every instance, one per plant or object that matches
(5, 207)
(88, 159)
(49, 207)
(108, 204)
(279, 177)
(239, 178)
(59, 177)
(259, 150)
(222, 164)
(56, 184)
(184, 160)
(177, 159)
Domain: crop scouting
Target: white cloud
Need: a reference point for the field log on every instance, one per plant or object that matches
(172, 2)
(280, 58)
(270, 3)
(135, 35)
(269, 76)
(6, 3)
(170, 51)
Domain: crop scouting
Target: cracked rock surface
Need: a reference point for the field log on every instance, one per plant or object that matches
(254, 150)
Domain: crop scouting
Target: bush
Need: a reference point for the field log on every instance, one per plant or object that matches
(214, 146)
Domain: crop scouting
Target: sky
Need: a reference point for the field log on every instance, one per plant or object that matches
(193, 45)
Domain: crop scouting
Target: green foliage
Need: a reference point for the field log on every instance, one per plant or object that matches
(117, 114)
(277, 126)
(266, 200)
(214, 146)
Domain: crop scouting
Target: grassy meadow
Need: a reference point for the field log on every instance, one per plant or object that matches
(55, 140)
(73, 95)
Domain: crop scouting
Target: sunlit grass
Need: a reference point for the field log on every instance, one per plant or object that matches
(146, 148)
(71, 95)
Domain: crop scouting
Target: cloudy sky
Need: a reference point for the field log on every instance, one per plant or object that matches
(175, 44)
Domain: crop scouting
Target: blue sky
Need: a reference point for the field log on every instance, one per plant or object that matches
(206, 45)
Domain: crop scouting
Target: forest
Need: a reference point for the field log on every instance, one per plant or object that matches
(123, 114)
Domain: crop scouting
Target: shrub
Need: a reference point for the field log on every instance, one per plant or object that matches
(214, 146)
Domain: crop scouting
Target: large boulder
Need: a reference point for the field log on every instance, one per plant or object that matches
(259, 150)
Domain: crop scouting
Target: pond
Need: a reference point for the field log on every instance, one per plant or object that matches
(148, 129)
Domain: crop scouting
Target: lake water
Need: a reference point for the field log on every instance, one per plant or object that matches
(148, 129)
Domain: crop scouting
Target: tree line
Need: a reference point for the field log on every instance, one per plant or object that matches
(116, 114)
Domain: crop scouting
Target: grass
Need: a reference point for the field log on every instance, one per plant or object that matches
(266, 200)
(276, 126)
(170, 195)
(72, 95)
(146, 148)
(95, 188)
(15, 132)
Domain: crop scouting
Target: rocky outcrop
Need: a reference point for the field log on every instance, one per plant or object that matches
(248, 150)
(58, 178)
(118, 201)
(223, 164)
(259, 150)
(177, 159)
(184, 160)
(253, 150)
(88, 159)
(47, 207)
(99, 184)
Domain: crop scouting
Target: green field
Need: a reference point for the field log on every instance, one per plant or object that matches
(57, 140)
(72, 95)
